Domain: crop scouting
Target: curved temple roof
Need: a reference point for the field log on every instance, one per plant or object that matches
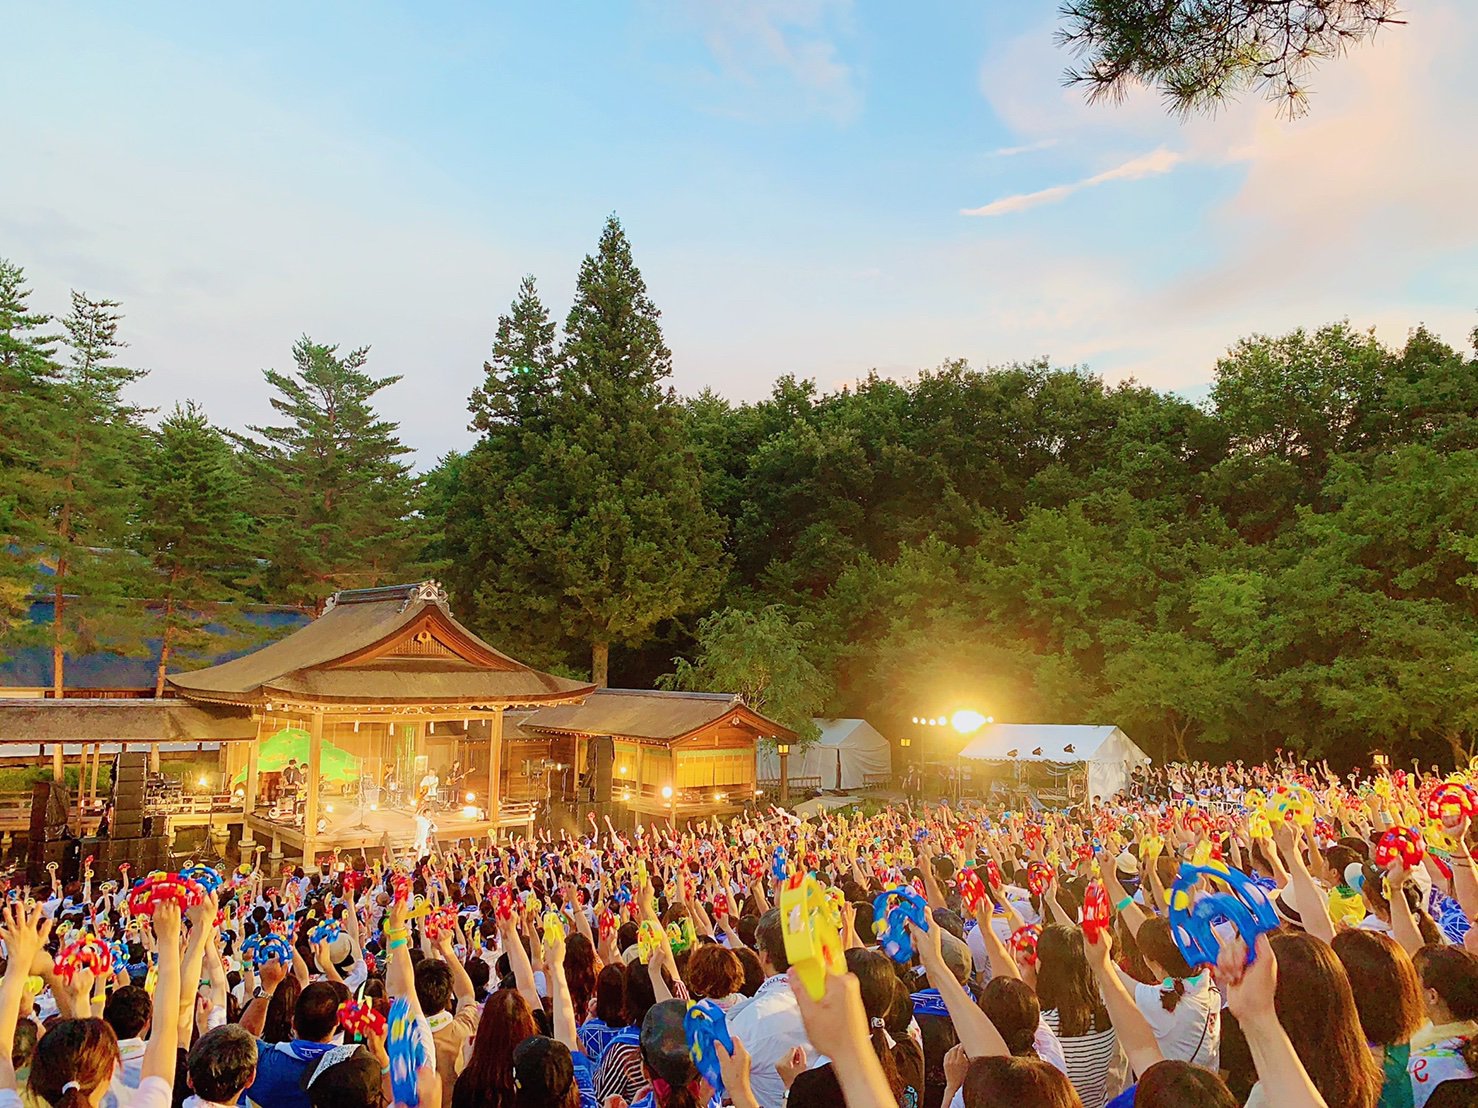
(394, 645)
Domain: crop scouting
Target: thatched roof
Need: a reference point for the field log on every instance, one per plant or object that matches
(651, 716)
(395, 645)
(121, 720)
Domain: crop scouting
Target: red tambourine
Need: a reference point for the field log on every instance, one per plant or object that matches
(1400, 842)
(993, 873)
(1023, 943)
(1038, 878)
(361, 1019)
(1095, 911)
(1452, 801)
(157, 890)
(971, 889)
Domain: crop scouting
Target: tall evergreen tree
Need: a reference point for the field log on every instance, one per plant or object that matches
(28, 410)
(335, 492)
(598, 519)
(195, 534)
(519, 378)
(83, 507)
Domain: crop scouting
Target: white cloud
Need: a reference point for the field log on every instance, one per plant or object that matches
(1025, 148)
(1153, 164)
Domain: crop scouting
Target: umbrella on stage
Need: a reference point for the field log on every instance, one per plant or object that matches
(334, 764)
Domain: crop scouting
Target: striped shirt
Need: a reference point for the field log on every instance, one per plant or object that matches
(1088, 1060)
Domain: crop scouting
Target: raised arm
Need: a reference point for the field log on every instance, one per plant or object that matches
(25, 933)
(1249, 991)
(1134, 1031)
(972, 1025)
(164, 1035)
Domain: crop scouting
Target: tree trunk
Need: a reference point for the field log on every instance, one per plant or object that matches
(163, 652)
(1461, 754)
(58, 676)
(600, 661)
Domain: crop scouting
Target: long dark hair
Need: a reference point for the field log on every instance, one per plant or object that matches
(1332, 1047)
(278, 1025)
(1388, 993)
(580, 973)
(875, 978)
(1157, 945)
(1065, 983)
(610, 996)
(1013, 1008)
(81, 1051)
(488, 1079)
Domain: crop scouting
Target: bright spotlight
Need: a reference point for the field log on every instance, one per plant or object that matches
(470, 797)
(666, 792)
(469, 812)
(967, 721)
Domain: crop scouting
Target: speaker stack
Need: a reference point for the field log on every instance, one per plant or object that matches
(48, 841)
(130, 838)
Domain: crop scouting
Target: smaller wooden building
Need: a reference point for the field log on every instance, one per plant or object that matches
(680, 755)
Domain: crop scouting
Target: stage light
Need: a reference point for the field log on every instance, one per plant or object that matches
(329, 808)
(469, 812)
(203, 781)
(624, 771)
(431, 727)
(374, 806)
(626, 795)
(967, 721)
(666, 792)
(470, 797)
(718, 796)
(916, 719)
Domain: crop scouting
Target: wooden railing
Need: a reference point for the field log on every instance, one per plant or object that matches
(771, 786)
(690, 799)
(876, 780)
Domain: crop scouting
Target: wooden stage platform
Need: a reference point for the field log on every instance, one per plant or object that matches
(349, 828)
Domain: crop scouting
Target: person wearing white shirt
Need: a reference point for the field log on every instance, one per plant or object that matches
(769, 1023)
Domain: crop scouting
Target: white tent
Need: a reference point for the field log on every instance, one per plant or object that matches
(847, 753)
(1108, 753)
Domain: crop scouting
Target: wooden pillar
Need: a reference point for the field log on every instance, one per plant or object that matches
(97, 769)
(153, 757)
(672, 784)
(495, 765)
(58, 771)
(310, 804)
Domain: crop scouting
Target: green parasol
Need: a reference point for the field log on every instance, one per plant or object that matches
(334, 764)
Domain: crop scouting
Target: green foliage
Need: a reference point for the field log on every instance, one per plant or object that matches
(341, 495)
(195, 531)
(1200, 53)
(584, 518)
(767, 657)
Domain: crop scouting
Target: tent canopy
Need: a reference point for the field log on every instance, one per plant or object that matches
(843, 757)
(1108, 753)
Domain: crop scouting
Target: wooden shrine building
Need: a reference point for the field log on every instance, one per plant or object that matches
(673, 754)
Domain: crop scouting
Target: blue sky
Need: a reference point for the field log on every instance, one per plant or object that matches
(816, 187)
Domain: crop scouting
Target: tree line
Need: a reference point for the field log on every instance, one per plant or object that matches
(1289, 564)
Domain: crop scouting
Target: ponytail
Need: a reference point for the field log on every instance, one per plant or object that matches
(1170, 998)
(72, 1059)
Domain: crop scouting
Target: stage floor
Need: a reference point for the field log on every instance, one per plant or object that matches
(351, 829)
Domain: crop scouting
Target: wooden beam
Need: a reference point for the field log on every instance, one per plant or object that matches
(495, 765)
(310, 805)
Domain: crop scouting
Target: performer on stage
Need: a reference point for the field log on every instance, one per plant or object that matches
(389, 786)
(292, 779)
(430, 787)
(425, 829)
(454, 778)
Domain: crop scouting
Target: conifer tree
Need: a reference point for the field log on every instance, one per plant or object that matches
(28, 410)
(334, 493)
(82, 508)
(195, 534)
(594, 524)
(519, 377)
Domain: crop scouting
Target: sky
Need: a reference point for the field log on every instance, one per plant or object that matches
(813, 187)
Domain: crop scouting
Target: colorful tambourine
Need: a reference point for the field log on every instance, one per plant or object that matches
(1095, 916)
(892, 912)
(1038, 878)
(554, 928)
(325, 932)
(361, 1018)
(263, 948)
(1245, 906)
(648, 939)
(87, 951)
(779, 870)
(705, 1025)
(1023, 943)
(1451, 802)
(605, 922)
(971, 889)
(993, 873)
(206, 877)
(407, 1050)
(1400, 842)
(157, 889)
(813, 944)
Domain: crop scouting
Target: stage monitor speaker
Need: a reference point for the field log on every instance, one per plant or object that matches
(40, 855)
(603, 758)
(49, 811)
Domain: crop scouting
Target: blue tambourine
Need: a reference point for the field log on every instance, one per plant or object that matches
(705, 1025)
(407, 1052)
(1246, 907)
(890, 923)
(206, 877)
(777, 865)
(325, 932)
(263, 947)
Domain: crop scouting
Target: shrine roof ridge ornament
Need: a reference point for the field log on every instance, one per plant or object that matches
(415, 592)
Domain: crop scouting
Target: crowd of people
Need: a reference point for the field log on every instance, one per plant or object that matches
(982, 957)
